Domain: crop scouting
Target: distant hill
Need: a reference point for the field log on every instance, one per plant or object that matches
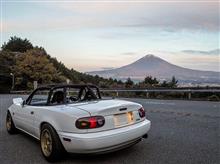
(36, 65)
(28, 63)
(159, 68)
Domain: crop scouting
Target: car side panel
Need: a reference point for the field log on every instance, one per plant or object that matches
(27, 118)
(16, 115)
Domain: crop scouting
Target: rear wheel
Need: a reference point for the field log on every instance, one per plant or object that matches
(11, 129)
(51, 147)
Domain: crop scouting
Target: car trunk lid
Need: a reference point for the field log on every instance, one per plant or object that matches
(117, 113)
(108, 107)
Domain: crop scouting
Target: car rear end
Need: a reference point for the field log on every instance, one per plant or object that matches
(112, 125)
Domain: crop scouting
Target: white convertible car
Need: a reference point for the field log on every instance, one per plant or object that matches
(74, 118)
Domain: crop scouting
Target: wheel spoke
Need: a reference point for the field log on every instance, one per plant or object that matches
(8, 123)
(46, 142)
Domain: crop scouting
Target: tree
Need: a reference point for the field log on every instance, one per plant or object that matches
(173, 82)
(164, 84)
(129, 83)
(31, 67)
(170, 84)
(7, 61)
(149, 80)
(16, 44)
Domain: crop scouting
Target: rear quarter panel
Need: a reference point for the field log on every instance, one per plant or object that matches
(61, 118)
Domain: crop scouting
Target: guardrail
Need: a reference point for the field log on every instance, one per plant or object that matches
(147, 91)
(20, 92)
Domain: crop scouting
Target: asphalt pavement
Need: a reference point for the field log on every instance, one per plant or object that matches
(182, 132)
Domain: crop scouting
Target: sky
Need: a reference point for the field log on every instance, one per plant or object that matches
(95, 35)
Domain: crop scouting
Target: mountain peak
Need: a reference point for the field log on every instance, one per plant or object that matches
(150, 56)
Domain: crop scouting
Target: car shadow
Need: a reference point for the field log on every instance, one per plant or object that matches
(28, 137)
(71, 157)
(98, 158)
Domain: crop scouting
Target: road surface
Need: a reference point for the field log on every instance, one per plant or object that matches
(182, 132)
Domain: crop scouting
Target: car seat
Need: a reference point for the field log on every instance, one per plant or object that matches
(58, 97)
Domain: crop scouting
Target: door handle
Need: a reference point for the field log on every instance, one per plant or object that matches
(32, 112)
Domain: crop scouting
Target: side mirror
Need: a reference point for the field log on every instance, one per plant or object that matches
(18, 101)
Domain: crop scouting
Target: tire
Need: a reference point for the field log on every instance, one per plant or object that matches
(10, 126)
(51, 146)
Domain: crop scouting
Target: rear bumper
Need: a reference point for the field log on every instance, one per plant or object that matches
(106, 140)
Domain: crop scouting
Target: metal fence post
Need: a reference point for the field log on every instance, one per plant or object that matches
(189, 95)
(116, 93)
(147, 95)
(35, 84)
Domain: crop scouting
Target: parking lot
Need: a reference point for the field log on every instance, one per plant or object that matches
(181, 132)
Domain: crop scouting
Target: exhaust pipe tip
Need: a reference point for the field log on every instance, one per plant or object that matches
(145, 136)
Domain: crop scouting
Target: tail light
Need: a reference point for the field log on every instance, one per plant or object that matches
(141, 112)
(90, 122)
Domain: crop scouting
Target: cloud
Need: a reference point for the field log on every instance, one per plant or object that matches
(107, 68)
(47, 24)
(129, 53)
(211, 52)
(202, 61)
(166, 16)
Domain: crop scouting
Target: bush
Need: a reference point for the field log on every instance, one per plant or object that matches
(160, 97)
(213, 98)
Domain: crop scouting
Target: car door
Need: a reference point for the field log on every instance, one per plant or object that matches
(17, 115)
(26, 118)
(37, 101)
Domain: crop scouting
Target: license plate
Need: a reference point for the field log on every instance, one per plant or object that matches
(123, 119)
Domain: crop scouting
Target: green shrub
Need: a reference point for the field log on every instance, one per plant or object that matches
(213, 98)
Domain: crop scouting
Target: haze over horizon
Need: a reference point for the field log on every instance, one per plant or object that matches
(95, 35)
